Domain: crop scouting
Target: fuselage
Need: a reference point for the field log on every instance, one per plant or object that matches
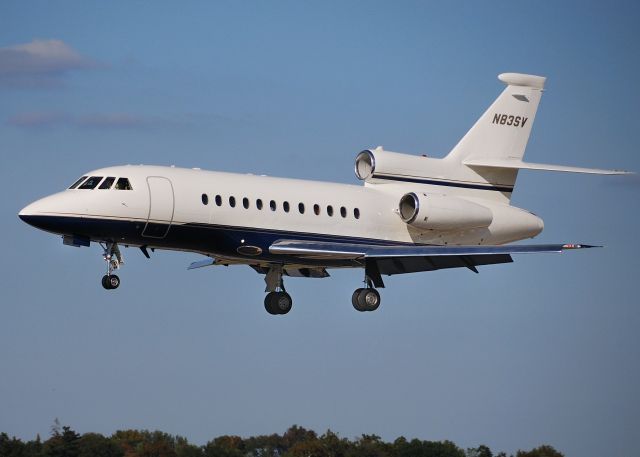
(240, 216)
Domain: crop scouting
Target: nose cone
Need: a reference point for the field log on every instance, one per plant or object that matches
(29, 213)
(42, 214)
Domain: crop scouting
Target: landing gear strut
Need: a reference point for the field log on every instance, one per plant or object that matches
(277, 301)
(111, 254)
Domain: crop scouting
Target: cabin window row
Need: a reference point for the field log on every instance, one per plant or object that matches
(91, 182)
(273, 205)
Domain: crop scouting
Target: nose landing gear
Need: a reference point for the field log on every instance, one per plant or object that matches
(111, 254)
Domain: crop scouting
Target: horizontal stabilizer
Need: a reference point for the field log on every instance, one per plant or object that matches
(520, 165)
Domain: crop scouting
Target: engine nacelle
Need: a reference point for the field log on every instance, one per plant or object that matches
(440, 212)
(378, 163)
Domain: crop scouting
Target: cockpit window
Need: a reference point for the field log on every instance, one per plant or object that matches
(107, 183)
(75, 184)
(123, 184)
(91, 183)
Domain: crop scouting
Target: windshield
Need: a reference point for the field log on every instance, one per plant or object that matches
(75, 184)
(91, 183)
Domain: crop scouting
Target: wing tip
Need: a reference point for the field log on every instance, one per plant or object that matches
(579, 246)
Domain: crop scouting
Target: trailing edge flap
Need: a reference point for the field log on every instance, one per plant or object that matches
(328, 250)
(519, 165)
(210, 262)
(201, 263)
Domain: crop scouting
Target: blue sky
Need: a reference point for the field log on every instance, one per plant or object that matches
(545, 350)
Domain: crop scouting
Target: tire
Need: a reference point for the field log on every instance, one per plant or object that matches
(105, 282)
(354, 300)
(269, 303)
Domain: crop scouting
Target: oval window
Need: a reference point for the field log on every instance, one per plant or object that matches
(205, 199)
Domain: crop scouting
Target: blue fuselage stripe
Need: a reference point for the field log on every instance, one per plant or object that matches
(433, 182)
(221, 240)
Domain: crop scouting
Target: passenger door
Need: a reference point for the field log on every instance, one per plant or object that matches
(161, 207)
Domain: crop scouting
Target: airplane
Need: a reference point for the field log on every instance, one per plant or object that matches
(412, 213)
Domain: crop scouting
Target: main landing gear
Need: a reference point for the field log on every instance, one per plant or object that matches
(277, 301)
(365, 299)
(368, 298)
(111, 254)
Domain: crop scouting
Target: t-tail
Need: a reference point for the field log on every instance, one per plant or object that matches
(486, 161)
(495, 145)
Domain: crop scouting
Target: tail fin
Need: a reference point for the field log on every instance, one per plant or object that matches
(502, 132)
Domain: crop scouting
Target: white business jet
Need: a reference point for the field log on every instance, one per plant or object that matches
(412, 214)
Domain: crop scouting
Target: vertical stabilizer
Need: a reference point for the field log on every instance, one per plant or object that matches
(503, 130)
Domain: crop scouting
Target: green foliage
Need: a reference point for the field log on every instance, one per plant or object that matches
(11, 447)
(480, 451)
(63, 443)
(295, 442)
(96, 445)
(542, 451)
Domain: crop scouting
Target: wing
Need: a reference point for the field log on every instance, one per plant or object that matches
(390, 260)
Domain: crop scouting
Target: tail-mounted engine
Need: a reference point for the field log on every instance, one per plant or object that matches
(376, 164)
(440, 212)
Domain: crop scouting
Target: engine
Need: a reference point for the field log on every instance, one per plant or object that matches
(440, 212)
(373, 164)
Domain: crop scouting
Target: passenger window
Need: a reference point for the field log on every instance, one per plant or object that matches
(316, 209)
(272, 205)
(356, 213)
(330, 210)
(259, 203)
(91, 183)
(301, 208)
(75, 184)
(285, 205)
(107, 183)
(343, 211)
(218, 200)
(205, 199)
(245, 203)
(123, 184)
(232, 202)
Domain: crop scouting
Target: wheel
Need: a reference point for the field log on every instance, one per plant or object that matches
(114, 282)
(368, 299)
(283, 302)
(105, 282)
(354, 300)
(278, 303)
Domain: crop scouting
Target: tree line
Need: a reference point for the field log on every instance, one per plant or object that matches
(295, 442)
